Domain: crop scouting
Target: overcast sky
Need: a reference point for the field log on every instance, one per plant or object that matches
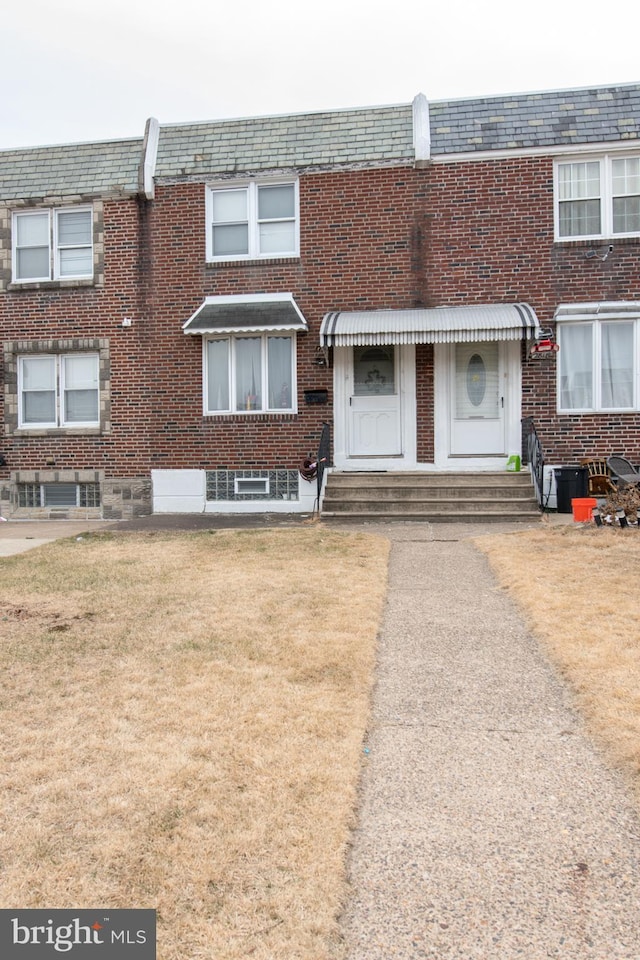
(77, 70)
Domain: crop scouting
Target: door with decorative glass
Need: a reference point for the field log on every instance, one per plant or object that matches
(374, 403)
(478, 399)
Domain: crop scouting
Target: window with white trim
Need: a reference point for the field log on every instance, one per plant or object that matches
(58, 390)
(252, 220)
(249, 374)
(53, 245)
(598, 366)
(597, 198)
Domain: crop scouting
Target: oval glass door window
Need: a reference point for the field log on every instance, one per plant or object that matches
(476, 380)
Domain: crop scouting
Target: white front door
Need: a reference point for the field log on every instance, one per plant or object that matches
(477, 402)
(374, 403)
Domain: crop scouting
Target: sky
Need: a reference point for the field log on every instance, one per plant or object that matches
(79, 70)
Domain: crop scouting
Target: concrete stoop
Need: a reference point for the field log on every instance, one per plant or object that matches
(432, 497)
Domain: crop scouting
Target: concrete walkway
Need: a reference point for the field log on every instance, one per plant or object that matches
(18, 536)
(490, 826)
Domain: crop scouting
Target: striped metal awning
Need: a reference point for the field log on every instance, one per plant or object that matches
(361, 328)
(251, 313)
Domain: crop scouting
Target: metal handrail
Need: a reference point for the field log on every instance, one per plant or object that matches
(534, 457)
(324, 451)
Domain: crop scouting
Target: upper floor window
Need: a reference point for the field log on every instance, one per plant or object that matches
(252, 220)
(53, 245)
(598, 198)
(58, 390)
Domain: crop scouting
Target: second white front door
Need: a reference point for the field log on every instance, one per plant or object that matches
(374, 403)
(477, 402)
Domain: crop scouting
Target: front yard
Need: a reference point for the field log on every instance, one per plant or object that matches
(182, 724)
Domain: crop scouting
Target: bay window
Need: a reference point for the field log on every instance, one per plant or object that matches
(598, 365)
(245, 374)
(252, 220)
(598, 198)
(58, 391)
(52, 245)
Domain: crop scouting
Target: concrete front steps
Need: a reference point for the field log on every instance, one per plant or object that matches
(432, 497)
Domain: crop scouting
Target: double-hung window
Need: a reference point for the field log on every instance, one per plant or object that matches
(252, 220)
(598, 198)
(245, 374)
(598, 363)
(53, 245)
(58, 391)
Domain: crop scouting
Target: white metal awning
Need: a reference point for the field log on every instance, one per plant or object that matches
(251, 313)
(599, 310)
(361, 328)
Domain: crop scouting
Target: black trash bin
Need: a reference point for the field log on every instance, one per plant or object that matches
(571, 483)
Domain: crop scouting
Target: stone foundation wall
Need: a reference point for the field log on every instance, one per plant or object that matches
(126, 499)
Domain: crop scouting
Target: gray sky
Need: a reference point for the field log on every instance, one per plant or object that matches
(79, 70)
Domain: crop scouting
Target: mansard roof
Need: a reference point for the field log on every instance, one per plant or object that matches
(74, 169)
(371, 136)
(366, 137)
(556, 118)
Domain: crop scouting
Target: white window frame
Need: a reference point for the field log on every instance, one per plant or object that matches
(232, 339)
(54, 246)
(242, 485)
(59, 420)
(606, 196)
(597, 325)
(252, 187)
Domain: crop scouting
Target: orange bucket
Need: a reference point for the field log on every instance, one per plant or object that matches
(583, 509)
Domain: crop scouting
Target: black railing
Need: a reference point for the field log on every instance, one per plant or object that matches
(534, 457)
(324, 452)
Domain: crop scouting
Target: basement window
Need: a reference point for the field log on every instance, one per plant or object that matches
(250, 486)
(59, 495)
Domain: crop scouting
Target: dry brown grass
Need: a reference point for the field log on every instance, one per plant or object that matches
(182, 725)
(578, 586)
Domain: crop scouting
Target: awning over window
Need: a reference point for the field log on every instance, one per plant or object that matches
(515, 321)
(255, 313)
(602, 310)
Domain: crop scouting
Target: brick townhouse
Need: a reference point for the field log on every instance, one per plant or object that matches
(182, 312)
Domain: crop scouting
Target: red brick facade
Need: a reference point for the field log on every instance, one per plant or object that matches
(446, 233)
(491, 240)
(359, 250)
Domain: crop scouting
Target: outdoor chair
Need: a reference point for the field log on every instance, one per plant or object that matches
(600, 482)
(625, 473)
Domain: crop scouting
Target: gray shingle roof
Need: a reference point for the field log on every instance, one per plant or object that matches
(368, 136)
(359, 137)
(548, 119)
(100, 169)
(218, 315)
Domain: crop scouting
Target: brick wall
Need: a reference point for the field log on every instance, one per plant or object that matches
(87, 314)
(490, 239)
(424, 403)
(361, 248)
(478, 232)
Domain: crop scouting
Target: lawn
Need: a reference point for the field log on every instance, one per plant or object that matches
(182, 728)
(577, 586)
